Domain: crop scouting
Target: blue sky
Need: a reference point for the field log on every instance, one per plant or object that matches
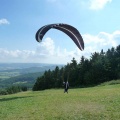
(96, 20)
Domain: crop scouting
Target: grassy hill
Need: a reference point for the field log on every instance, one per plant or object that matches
(95, 103)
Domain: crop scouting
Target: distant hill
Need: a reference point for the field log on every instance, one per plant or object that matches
(24, 80)
(10, 66)
(22, 73)
(25, 67)
(30, 69)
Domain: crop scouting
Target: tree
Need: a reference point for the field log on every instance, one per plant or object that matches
(101, 67)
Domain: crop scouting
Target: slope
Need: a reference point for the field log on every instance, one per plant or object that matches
(95, 103)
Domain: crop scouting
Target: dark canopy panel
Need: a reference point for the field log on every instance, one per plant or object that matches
(72, 32)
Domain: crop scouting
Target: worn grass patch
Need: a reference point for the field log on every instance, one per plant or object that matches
(95, 103)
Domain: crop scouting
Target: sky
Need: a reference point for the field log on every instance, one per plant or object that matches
(98, 21)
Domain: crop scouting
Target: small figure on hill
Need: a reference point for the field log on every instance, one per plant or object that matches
(66, 86)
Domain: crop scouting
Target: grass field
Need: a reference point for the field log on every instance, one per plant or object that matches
(95, 103)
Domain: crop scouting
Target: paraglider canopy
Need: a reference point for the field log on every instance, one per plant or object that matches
(71, 31)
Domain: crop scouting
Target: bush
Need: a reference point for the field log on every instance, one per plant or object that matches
(13, 89)
(3, 92)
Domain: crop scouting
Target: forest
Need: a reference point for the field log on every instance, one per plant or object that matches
(100, 67)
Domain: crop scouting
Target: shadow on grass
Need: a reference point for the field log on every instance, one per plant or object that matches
(13, 98)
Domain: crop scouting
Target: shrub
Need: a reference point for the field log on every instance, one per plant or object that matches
(3, 92)
(13, 89)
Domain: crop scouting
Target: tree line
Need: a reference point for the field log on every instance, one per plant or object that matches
(100, 67)
(13, 89)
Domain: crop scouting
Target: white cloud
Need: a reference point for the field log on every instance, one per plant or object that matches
(98, 4)
(46, 47)
(46, 52)
(4, 21)
(101, 41)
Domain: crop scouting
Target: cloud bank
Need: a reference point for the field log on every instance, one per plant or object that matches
(47, 52)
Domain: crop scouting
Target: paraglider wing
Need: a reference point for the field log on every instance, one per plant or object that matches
(72, 32)
(41, 32)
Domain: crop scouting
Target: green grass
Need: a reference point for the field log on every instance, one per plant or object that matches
(95, 103)
(112, 82)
